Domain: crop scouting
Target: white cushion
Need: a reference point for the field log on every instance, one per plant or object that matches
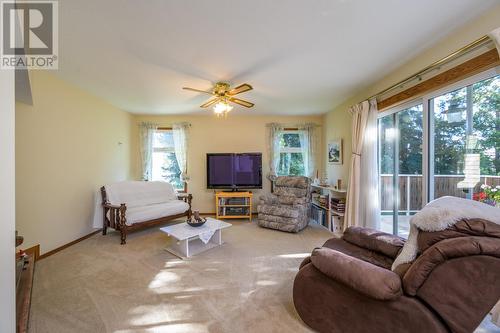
(140, 193)
(151, 212)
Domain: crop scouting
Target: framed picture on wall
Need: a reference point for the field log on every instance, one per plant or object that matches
(335, 152)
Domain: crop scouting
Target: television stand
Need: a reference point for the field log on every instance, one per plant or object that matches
(235, 190)
(233, 205)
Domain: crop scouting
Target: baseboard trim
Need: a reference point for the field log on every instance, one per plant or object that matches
(60, 248)
(34, 251)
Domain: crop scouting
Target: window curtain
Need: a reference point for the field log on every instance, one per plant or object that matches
(369, 204)
(495, 36)
(275, 132)
(362, 206)
(146, 132)
(181, 139)
(307, 136)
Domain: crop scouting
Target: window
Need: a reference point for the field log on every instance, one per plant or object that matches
(291, 161)
(446, 143)
(164, 164)
(466, 146)
(400, 163)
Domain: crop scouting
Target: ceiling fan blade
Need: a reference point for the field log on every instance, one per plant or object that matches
(241, 102)
(240, 89)
(209, 102)
(198, 90)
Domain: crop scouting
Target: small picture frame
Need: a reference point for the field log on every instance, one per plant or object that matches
(335, 151)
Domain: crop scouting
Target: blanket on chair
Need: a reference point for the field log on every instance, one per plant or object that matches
(440, 214)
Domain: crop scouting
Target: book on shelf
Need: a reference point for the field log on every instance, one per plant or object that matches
(338, 209)
(318, 215)
(233, 211)
(319, 204)
(234, 201)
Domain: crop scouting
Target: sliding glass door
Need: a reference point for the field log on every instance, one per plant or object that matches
(465, 150)
(444, 144)
(400, 163)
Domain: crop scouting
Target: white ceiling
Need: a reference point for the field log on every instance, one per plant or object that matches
(302, 57)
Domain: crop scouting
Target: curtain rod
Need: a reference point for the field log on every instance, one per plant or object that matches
(464, 50)
(292, 126)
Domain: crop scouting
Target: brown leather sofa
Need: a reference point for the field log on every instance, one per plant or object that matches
(348, 286)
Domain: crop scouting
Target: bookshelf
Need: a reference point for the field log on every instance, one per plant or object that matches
(328, 207)
(233, 205)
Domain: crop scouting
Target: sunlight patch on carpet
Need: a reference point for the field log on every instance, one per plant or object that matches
(162, 279)
(170, 328)
(295, 255)
(266, 283)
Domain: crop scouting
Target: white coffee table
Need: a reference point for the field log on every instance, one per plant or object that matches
(188, 242)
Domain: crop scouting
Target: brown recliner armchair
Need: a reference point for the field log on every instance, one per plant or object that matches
(348, 286)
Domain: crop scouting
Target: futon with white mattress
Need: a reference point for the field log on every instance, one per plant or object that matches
(131, 205)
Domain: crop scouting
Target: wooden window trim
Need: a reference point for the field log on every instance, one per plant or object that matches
(185, 190)
(469, 68)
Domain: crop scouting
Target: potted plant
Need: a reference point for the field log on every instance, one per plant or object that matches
(489, 195)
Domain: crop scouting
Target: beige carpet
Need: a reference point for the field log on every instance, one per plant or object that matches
(243, 286)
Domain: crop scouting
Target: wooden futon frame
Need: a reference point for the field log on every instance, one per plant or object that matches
(117, 216)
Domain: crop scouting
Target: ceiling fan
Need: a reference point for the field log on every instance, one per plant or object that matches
(223, 96)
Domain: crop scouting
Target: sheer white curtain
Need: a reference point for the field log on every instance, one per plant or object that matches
(362, 196)
(369, 206)
(181, 144)
(275, 132)
(495, 36)
(307, 135)
(146, 133)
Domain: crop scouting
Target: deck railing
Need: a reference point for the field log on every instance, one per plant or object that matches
(410, 190)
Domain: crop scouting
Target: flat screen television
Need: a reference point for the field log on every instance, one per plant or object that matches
(234, 171)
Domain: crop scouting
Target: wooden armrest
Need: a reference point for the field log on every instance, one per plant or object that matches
(186, 197)
(110, 206)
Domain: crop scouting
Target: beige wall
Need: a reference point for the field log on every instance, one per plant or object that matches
(337, 123)
(209, 134)
(67, 145)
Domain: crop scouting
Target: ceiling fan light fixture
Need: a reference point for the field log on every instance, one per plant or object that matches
(223, 95)
(222, 108)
